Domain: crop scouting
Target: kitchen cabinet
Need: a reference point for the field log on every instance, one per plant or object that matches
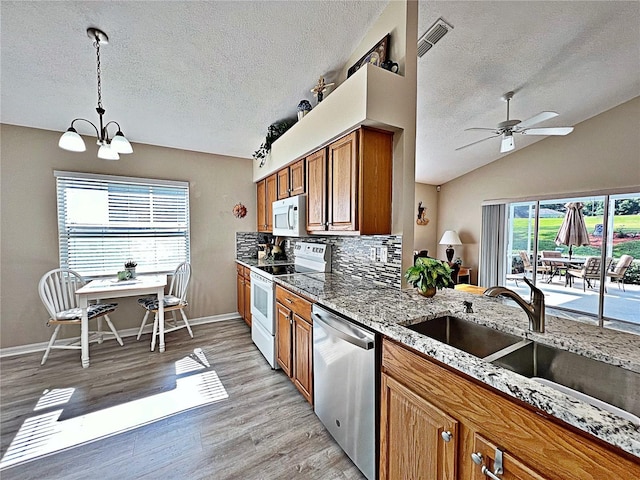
(243, 284)
(266, 192)
(433, 419)
(349, 184)
(419, 441)
(291, 180)
(294, 340)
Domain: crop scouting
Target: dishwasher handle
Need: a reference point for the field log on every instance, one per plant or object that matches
(364, 341)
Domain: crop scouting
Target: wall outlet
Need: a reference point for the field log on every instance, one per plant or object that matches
(383, 254)
(288, 243)
(372, 254)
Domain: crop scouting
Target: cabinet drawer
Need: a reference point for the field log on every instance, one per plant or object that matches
(240, 269)
(296, 303)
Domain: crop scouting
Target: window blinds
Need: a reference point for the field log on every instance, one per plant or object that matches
(105, 220)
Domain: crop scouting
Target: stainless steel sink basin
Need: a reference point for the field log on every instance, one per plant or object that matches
(467, 336)
(609, 383)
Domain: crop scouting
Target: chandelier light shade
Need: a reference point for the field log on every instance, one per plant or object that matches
(450, 237)
(110, 148)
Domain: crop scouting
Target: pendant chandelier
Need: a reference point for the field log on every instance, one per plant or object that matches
(110, 148)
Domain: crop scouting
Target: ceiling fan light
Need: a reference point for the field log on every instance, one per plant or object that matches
(120, 144)
(105, 152)
(507, 142)
(71, 141)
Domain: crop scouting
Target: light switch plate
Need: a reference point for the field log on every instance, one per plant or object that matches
(383, 254)
(372, 254)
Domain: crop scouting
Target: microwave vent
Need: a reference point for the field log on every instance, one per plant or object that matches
(433, 35)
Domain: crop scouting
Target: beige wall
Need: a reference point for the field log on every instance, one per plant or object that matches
(602, 153)
(425, 236)
(29, 229)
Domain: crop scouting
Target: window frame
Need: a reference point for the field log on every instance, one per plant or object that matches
(164, 203)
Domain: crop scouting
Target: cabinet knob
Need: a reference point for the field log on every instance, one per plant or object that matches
(446, 436)
(478, 460)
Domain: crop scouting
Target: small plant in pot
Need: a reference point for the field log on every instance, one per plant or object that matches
(429, 274)
(130, 266)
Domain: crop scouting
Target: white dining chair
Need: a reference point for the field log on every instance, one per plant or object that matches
(176, 300)
(57, 291)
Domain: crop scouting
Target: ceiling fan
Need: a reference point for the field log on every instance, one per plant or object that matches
(509, 127)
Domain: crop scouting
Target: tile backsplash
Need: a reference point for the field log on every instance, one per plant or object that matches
(350, 255)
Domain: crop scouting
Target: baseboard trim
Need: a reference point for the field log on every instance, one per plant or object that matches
(129, 332)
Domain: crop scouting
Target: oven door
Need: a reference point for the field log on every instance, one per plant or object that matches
(262, 309)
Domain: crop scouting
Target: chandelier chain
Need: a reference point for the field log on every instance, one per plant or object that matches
(97, 45)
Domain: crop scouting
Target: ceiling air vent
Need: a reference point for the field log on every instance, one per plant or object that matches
(435, 32)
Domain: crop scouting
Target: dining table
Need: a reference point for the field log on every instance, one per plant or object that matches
(103, 288)
(558, 263)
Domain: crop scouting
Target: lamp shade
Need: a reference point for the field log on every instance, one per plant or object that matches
(120, 144)
(507, 143)
(70, 140)
(105, 152)
(450, 237)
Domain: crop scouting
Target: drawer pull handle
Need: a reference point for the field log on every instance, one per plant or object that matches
(289, 300)
(446, 436)
(478, 460)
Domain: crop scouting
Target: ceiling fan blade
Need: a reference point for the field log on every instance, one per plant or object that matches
(529, 122)
(478, 141)
(547, 131)
(480, 128)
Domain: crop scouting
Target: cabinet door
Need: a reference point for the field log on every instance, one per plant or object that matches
(417, 440)
(297, 178)
(247, 299)
(513, 468)
(317, 191)
(271, 196)
(241, 294)
(343, 183)
(284, 350)
(303, 357)
(261, 206)
(283, 183)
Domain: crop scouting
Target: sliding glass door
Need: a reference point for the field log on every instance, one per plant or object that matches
(598, 274)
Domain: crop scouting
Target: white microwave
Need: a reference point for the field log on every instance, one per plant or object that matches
(290, 217)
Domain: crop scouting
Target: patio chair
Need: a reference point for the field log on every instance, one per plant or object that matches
(528, 267)
(589, 271)
(618, 272)
(57, 291)
(175, 300)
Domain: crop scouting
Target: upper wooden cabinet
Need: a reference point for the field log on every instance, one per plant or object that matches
(291, 180)
(349, 184)
(266, 195)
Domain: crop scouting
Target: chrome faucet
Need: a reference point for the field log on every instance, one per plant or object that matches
(534, 309)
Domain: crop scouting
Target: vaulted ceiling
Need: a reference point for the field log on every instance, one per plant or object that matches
(211, 76)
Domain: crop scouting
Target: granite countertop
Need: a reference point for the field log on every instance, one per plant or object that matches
(388, 311)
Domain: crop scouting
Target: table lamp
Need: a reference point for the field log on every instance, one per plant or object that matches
(450, 237)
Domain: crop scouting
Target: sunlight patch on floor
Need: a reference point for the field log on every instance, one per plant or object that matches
(44, 434)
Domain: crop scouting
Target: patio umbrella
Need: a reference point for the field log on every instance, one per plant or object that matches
(573, 230)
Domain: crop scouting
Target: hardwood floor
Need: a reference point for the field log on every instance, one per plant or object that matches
(264, 429)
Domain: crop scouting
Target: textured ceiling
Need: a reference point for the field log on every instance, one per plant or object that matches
(211, 76)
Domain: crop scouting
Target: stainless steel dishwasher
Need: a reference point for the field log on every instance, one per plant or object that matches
(344, 376)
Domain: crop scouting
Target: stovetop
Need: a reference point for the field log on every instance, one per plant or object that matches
(283, 269)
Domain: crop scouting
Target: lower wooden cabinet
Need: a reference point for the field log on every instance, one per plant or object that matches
(437, 424)
(243, 288)
(294, 339)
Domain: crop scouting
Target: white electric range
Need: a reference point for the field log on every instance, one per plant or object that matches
(308, 258)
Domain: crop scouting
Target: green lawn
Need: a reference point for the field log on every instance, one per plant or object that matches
(549, 227)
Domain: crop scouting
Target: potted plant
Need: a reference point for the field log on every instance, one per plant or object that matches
(130, 266)
(429, 274)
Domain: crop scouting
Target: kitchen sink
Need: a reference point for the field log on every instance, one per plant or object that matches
(602, 381)
(469, 337)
